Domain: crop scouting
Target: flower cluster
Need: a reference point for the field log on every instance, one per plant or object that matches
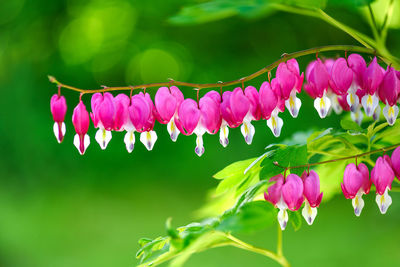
(292, 191)
(356, 181)
(349, 84)
(344, 84)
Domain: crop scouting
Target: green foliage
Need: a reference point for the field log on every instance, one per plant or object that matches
(220, 9)
(244, 182)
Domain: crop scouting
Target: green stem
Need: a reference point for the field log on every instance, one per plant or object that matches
(279, 248)
(243, 245)
(284, 58)
(386, 21)
(373, 24)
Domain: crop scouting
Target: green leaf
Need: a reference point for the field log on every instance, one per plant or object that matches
(152, 248)
(298, 157)
(350, 125)
(350, 3)
(252, 216)
(234, 170)
(295, 219)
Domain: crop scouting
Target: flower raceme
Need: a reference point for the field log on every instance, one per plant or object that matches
(344, 84)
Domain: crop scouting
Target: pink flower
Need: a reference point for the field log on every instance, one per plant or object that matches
(271, 105)
(341, 76)
(123, 120)
(372, 78)
(290, 82)
(103, 114)
(358, 65)
(382, 176)
(285, 195)
(254, 113)
(396, 162)
(80, 120)
(167, 102)
(356, 183)
(144, 119)
(234, 107)
(312, 195)
(58, 108)
(388, 92)
(199, 119)
(318, 83)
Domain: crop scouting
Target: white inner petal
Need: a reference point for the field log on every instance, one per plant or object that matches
(172, 129)
(77, 143)
(293, 104)
(199, 145)
(103, 137)
(322, 105)
(129, 140)
(357, 116)
(352, 99)
(59, 134)
(377, 113)
(283, 218)
(391, 113)
(148, 139)
(275, 124)
(358, 202)
(383, 201)
(223, 134)
(335, 104)
(369, 103)
(248, 131)
(309, 213)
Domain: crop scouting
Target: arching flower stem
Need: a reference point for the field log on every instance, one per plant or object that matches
(348, 48)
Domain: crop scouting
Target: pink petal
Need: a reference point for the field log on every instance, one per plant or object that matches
(210, 114)
(239, 105)
(165, 104)
(267, 99)
(389, 88)
(373, 76)
(275, 190)
(58, 108)
(286, 79)
(121, 102)
(342, 76)
(80, 119)
(292, 192)
(396, 162)
(382, 174)
(311, 188)
(139, 112)
(358, 65)
(252, 95)
(189, 115)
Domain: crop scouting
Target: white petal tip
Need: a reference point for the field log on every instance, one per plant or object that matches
(148, 139)
(59, 131)
(103, 137)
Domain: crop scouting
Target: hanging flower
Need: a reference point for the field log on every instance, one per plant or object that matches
(103, 114)
(355, 184)
(312, 195)
(358, 65)
(271, 105)
(80, 120)
(388, 93)
(372, 78)
(58, 108)
(382, 176)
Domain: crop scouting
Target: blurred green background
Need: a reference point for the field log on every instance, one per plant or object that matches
(58, 208)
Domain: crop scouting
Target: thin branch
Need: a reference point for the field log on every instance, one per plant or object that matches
(284, 58)
(373, 24)
(383, 149)
(386, 21)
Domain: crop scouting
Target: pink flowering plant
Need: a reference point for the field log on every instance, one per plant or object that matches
(291, 181)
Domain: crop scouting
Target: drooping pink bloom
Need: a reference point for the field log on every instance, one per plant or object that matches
(396, 162)
(199, 119)
(290, 83)
(234, 107)
(312, 195)
(388, 93)
(103, 114)
(341, 76)
(358, 65)
(167, 102)
(317, 85)
(254, 113)
(270, 106)
(80, 120)
(356, 183)
(285, 195)
(58, 108)
(382, 176)
(372, 78)
(123, 121)
(148, 136)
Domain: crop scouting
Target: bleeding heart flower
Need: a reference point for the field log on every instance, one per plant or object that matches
(270, 107)
(254, 113)
(234, 107)
(123, 121)
(382, 176)
(358, 65)
(396, 162)
(318, 82)
(167, 102)
(103, 114)
(80, 120)
(290, 81)
(372, 78)
(356, 183)
(388, 93)
(148, 137)
(341, 77)
(312, 195)
(58, 108)
(285, 195)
